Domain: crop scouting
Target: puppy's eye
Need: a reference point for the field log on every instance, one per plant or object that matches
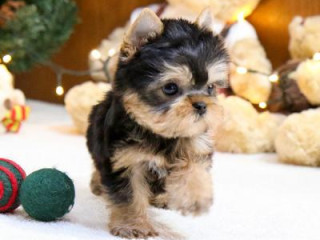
(170, 89)
(210, 89)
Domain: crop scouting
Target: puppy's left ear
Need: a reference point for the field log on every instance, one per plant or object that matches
(205, 20)
(147, 25)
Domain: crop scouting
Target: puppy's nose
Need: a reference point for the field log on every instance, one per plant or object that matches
(201, 107)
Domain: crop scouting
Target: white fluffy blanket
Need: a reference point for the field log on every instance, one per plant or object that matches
(256, 198)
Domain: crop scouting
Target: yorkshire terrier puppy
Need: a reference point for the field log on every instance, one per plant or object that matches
(151, 139)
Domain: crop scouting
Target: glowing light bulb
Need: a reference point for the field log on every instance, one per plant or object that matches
(262, 105)
(111, 52)
(59, 90)
(274, 78)
(6, 58)
(316, 56)
(95, 54)
(241, 70)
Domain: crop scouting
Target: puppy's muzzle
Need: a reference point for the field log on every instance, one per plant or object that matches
(200, 107)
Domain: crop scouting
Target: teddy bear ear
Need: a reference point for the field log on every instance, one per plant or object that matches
(147, 24)
(205, 19)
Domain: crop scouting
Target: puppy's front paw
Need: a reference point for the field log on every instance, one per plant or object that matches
(194, 201)
(196, 207)
(133, 231)
(190, 190)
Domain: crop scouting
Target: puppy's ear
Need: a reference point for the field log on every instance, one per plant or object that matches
(147, 25)
(205, 20)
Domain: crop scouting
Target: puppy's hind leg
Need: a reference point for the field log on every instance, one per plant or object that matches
(130, 220)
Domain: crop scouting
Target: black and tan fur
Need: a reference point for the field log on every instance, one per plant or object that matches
(152, 137)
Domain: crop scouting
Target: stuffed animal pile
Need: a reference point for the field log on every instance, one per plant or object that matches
(294, 137)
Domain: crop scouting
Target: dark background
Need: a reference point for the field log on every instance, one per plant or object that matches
(100, 17)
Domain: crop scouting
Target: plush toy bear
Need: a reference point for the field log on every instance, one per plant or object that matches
(108, 48)
(304, 37)
(298, 139)
(307, 76)
(244, 130)
(254, 87)
(81, 98)
(247, 52)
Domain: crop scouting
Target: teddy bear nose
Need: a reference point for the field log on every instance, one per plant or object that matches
(201, 107)
(8, 104)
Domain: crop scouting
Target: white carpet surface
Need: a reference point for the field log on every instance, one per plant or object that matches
(256, 198)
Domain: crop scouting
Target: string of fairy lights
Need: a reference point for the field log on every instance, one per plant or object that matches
(6, 59)
(60, 71)
(273, 77)
(96, 55)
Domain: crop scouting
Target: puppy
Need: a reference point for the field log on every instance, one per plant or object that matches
(151, 139)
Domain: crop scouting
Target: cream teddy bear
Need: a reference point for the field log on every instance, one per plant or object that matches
(244, 130)
(298, 139)
(250, 54)
(81, 98)
(304, 37)
(247, 52)
(307, 76)
(107, 49)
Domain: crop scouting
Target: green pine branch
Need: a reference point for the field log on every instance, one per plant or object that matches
(38, 30)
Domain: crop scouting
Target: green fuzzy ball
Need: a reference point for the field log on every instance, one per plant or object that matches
(47, 194)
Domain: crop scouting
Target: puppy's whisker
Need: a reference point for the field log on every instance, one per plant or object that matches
(163, 108)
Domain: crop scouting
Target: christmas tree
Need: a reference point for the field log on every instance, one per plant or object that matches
(32, 30)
